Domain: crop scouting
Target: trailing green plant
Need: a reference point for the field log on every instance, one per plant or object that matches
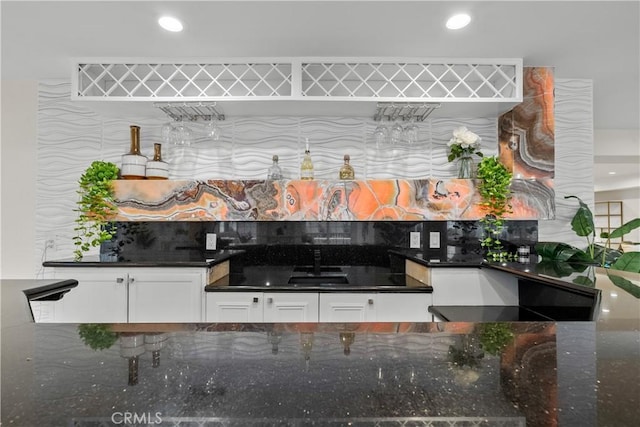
(495, 193)
(95, 207)
(97, 336)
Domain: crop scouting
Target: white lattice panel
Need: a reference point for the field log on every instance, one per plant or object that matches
(179, 81)
(411, 81)
(380, 79)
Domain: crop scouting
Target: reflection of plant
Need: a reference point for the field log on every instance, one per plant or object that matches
(96, 207)
(97, 336)
(494, 337)
(467, 354)
(495, 194)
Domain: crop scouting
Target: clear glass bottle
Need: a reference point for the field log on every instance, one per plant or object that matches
(306, 168)
(274, 171)
(346, 171)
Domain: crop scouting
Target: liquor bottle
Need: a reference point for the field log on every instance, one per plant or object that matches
(134, 163)
(306, 168)
(157, 168)
(274, 171)
(346, 171)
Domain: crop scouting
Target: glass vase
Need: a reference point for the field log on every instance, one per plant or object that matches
(465, 167)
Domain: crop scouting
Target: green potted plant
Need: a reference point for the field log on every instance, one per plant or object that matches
(564, 257)
(494, 186)
(583, 225)
(95, 207)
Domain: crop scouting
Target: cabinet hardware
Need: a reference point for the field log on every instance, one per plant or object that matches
(270, 300)
(370, 301)
(255, 299)
(119, 280)
(131, 280)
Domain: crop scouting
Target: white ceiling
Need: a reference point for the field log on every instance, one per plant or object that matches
(596, 40)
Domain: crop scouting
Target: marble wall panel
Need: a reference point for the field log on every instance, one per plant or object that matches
(527, 132)
(317, 200)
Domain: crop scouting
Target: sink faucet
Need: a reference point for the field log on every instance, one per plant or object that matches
(316, 262)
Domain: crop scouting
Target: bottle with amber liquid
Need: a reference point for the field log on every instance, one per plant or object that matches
(306, 168)
(157, 168)
(134, 163)
(346, 171)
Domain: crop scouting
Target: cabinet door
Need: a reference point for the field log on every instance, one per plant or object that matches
(291, 307)
(165, 295)
(346, 307)
(473, 286)
(403, 307)
(100, 297)
(234, 307)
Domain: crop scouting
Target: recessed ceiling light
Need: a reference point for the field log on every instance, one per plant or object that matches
(612, 173)
(170, 23)
(458, 21)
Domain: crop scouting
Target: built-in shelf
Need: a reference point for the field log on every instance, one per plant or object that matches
(348, 87)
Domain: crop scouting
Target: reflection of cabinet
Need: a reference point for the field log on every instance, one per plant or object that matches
(132, 295)
(242, 307)
(608, 217)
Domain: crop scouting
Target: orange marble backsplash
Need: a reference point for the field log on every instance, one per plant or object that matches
(320, 200)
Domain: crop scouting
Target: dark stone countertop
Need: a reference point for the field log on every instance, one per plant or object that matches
(186, 258)
(355, 278)
(549, 373)
(575, 277)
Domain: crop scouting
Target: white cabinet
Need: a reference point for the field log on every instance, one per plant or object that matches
(142, 295)
(234, 307)
(347, 307)
(403, 307)
(375, 307)
(100, 297)
(257, 307)
(473, 286)
(291, 307)
(166, 296)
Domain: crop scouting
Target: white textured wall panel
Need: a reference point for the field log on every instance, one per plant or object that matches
(573, 158)
(71, 136)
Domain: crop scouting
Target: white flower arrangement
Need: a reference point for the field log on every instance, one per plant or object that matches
(463, 142)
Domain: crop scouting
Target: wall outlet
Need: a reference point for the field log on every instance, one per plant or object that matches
(434, 240)
(212, 242)
(414, 240)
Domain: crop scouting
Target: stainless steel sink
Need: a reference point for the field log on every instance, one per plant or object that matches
(333, 279)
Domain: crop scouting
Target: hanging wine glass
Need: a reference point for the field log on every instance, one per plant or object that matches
(182, 134)
(380, 134)
(411, 131)
(395, 135)
(212, 130)
(167, 132)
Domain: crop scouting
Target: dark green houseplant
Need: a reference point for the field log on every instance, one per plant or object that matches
(583, 225)
(95, 207)
(494, 187)
(565, 259)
